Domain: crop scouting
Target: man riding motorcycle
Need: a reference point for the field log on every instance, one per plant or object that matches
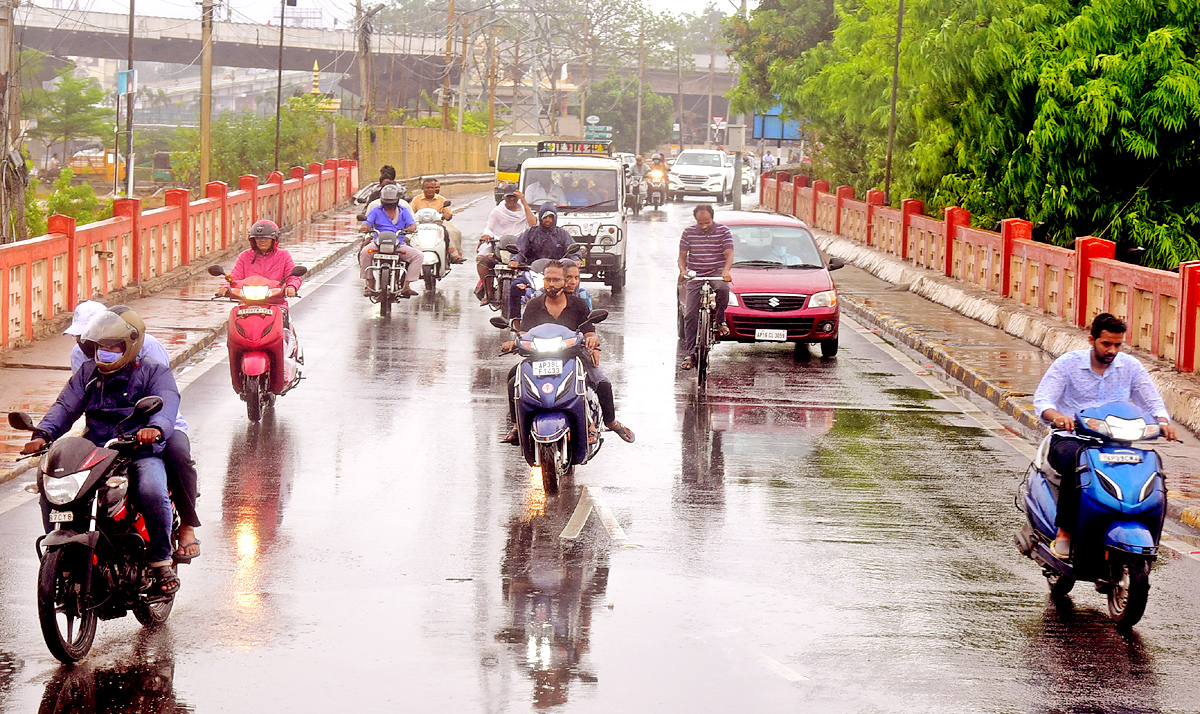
(430, 198)
(177, 456)
(389, 215)
(639, 167)
(512, 216)
(545, 240)
(1087, 378)
(104, 391)
(570, 311)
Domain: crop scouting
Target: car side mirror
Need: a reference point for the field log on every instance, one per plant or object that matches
(836, 263)
(146, 406)
(299, 270)
(492, 163)
(361, 217)
(20, 421)
(499, 322)
(216, 271)
(597, 316)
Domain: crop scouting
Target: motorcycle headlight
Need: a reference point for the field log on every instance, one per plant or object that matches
(1126, 429)
(63, 489)
(572, 230)
(547, 344)
(825, 298)
(656, 174)
(255, 292)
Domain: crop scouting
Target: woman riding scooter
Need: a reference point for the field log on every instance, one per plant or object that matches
(266, 259)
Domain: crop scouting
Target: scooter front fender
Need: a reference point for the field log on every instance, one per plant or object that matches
(1131, 537)
(255, 364)
(549, 427)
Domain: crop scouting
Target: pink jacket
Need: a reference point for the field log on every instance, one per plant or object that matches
(276, 265)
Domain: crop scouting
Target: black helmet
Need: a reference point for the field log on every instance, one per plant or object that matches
(264, 229)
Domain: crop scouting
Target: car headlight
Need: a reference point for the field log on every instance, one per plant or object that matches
(572, 230)
(547, 344)
(255, 292)
(825, 298)
(733, 301)
(64, 489)
(609, 235)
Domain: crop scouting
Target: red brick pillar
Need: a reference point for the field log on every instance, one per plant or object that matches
(249, 184)
(843, 193)
(1011, 229)
(66, 226)
(874, 199)
(909, 207)
(220, 191)
(181, 199)
(130, 208)
(955, 217)
(819, 187)
(1189, 303)
(276, 177)
(798, 182)
(781, 178)
(1087, 249)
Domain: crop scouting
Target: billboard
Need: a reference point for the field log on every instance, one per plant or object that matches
(772, 127)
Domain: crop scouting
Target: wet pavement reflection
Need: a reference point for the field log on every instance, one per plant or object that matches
(826, 535)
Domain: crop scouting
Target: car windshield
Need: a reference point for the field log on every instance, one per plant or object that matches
(774, 246)
(509, 158)
(686, 159)
(594, 189)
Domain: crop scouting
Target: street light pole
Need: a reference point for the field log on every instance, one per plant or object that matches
(737, 140)
(279, 82)
(887, 175)
(446, 68)
(129, 114)
(206, 28)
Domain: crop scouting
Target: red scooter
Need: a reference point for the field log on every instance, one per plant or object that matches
(264, 354)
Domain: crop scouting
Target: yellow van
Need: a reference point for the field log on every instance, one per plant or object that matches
(511, 152)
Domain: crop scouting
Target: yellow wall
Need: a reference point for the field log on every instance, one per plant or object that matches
(416, 151)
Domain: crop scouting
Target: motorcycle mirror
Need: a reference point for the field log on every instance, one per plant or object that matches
(499, 322)
(299, 270)
(574, 248)
(216, 271)
(492, 163)
(361, 217)
(447, 203)
(597, 316)
(147, 406)
(20, 421)
(836, 263)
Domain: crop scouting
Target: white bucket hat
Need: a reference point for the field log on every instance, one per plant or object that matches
(85, 312)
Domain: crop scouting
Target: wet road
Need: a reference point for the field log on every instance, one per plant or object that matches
(829, 536)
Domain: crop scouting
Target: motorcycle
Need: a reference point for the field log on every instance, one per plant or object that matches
(93, 564)
(505, 247)
(430, 239)
(656, 188)
(387, 270)
(556, 406)
(1123, 501)
(264, 355)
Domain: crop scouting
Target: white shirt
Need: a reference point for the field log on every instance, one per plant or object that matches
(537, 194)
(503, 222)
(1070, 385)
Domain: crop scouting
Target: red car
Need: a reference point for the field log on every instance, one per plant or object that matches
(782, 290)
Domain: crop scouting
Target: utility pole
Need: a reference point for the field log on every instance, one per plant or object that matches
(679, 90)
(12, 179)
(587, 44)
(737, 141)
(446, 68)
(492, 89)
(279, 82)
(712, 56)
(128, 115)
(887, 174)
(462, 76)
(637, 143)
(516, 77)
(206, 29)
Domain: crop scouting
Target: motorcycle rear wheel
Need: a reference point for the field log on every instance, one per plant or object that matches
(385, 297)
(60, 594)
(1130, 590)
(153, 614)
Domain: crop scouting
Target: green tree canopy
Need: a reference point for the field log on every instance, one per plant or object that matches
(614, 100)
(71, 110)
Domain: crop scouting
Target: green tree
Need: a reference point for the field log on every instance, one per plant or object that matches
(775, 30)
(72, 110)
(614, 100)
(78, 202)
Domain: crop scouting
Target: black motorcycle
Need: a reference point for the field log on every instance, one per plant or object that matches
(93, 564)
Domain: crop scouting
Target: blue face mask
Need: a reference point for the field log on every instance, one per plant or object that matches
(108, 357)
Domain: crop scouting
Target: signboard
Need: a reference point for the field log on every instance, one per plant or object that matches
(718, 120)
(126, 82)
(577, 148)
(592, 119)
(772, 126)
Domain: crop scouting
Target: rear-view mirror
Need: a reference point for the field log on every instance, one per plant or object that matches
(216, 271)
(597, 316)
(836, 263)
(20, 421)
(446, 204)
(361, 217)
(299, 270)
(147, 406)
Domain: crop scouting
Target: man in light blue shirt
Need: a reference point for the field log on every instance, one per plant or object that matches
(1079, 380)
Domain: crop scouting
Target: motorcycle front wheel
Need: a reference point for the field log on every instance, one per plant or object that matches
(1130, 590)
(254, 397)
(430, 278)
(703, 345)
(553, 470)
(64, 610)
(385, 296)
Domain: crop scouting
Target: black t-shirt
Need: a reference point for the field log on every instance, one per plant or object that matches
(573, 316)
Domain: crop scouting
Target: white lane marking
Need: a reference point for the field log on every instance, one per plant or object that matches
(1185, 549)
(20, 498)
(589, 500)
(781, 669)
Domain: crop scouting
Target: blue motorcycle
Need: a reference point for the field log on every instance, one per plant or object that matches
(1123, 500)
(557, 408)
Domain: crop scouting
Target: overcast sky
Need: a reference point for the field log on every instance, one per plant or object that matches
(259, 11)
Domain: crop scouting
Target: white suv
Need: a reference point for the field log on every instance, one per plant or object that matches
(702, 172)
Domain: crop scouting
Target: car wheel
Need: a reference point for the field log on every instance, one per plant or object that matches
(829, 348)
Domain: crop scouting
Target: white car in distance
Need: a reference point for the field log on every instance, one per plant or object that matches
(701, 172)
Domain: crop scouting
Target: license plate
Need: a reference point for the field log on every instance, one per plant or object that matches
(1120, 458)
(770, 335)
(255, 311)
(61, 516)
(390, 257)
(547, 368)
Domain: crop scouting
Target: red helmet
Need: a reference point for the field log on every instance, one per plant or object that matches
(264, 229)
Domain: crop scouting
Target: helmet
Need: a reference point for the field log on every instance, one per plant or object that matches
(110, 329)
(657, 157)
(389, 195)
(264, 229)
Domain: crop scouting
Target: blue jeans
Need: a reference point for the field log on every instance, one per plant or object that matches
(149, 491)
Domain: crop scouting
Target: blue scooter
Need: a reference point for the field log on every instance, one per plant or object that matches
(1123, 500)
(556, 406)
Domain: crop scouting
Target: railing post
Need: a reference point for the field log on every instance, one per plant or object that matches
(798, 182)
(762, 186)
(1186, 316)
(66, 226)
(874, 200)
(277, 177)
(335, 199)
(781, 177)
(1011, 229)
(1087, 249)
(843, 192)
(954, 218)
(130, 208)
(317, 170)
(818, 188)
(909, 207)
(249, 184)
(181, 198)
(220, 191)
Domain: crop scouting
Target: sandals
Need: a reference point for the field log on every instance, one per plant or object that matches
(180, 556)
(1061, 548)
(622, 431)
(687, 363)
(513, 437)
(165, 585)
(723, 329)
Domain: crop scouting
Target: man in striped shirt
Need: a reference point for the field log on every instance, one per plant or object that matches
(707, 248)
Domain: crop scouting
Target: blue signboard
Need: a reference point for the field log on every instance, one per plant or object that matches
(771, 126)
